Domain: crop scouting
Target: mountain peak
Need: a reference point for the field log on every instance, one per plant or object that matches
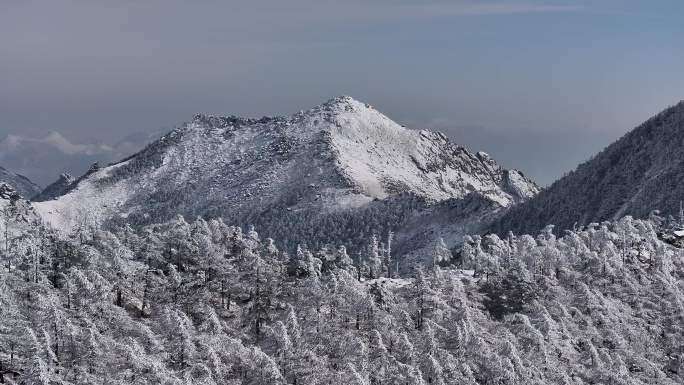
(341, 156)
(341, 100)
(342, 104)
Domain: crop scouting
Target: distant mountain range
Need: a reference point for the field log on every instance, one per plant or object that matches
(641, 172)
(342, 165)
(44, 160)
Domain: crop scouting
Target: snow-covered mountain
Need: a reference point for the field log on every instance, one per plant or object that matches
(205, 302)
(340, 165)
(21, 184)
(640, 172)
(43, 160)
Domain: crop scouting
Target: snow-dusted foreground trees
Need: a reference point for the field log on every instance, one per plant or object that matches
(207, 303)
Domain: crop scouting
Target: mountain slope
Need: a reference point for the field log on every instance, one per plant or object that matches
(340, 165)
(638, 173)
(21, 184)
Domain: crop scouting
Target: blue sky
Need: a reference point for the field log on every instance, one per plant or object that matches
(540, 85)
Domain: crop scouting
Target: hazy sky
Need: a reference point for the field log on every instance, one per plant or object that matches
(540, 85)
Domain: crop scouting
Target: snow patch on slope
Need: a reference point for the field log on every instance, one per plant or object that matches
(88, 204)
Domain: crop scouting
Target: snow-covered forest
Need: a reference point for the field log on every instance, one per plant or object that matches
(149, 271)
(204, 302)
(181, 205)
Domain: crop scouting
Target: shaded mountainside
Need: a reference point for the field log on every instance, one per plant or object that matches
(21, 184)
(640, 172)
(60, 187)
(341, 165)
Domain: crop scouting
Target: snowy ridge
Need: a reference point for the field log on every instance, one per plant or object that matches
(276, 171)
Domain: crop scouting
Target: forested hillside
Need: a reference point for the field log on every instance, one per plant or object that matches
(204, 302)
(637, 174)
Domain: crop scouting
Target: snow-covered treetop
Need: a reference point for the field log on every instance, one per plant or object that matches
(7, 192)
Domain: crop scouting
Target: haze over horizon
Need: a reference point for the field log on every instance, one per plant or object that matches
(541, 86)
